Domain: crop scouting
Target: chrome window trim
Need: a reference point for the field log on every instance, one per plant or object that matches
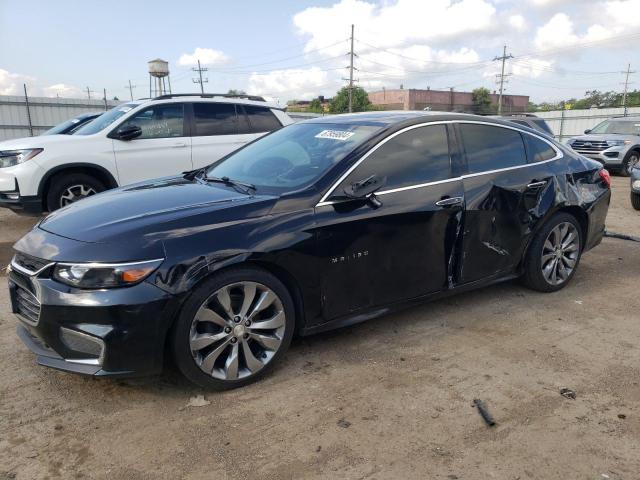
(323, 201)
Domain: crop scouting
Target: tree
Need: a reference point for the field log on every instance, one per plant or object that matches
(481, 98)
(315, 106)
(340, 102)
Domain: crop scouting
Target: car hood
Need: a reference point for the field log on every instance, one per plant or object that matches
(605, 136)
(42, 141)
(154, 210)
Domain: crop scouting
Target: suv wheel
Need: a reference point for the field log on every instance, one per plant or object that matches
(233, 328)
(68, 188)
(635, 200)
(554, 254)
(632, 159)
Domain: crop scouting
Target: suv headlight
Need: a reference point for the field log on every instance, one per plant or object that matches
(104, 275)
(11, 158)
(618, 143)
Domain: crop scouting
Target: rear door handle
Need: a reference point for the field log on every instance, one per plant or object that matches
(449, 202)
(179, 145)
(536, 185)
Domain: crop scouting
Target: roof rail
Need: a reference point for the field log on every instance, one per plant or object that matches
(519, 114)
(211, 95)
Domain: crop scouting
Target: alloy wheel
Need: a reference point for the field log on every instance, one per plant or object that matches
(237, 331)
(634, 160)
(560, 253)
(75, 193)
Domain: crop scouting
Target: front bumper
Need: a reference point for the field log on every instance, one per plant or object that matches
(611, 157)
(29, 206)
(18, 189)
(110, 332)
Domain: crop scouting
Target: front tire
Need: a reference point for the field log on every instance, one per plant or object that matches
(632, 159)
(554, 254)
(635, 200)
(233, 328)
(68, 188)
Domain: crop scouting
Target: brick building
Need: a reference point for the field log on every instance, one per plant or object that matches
(441, 100)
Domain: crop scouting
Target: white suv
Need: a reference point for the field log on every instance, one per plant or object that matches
(134, 141)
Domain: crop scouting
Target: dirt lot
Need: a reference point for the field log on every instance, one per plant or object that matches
(388, 399)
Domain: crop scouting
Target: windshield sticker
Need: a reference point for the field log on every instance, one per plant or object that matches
(335, 135)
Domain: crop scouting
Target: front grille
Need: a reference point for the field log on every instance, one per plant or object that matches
(589, 146)
(29, 263)
(27, 305)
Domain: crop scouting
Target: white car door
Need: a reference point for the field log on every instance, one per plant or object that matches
(163, 148)
(216, 132)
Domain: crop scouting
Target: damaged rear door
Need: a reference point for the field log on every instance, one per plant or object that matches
(505, 197)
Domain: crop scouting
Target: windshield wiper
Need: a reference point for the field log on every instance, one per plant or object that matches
(245, 187)
(192, 174)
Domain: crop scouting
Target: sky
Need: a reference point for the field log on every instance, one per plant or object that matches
(288, 49)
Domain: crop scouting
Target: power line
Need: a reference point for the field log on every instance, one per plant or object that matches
(200, 80)
(501, 77)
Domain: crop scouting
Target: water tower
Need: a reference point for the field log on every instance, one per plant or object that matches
(158, 71)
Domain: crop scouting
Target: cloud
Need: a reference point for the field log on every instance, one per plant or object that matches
(12, 83)
(559, 32)
(396, 24)
(63, 90)
(290, 83)
(207, 56)
(517, 21)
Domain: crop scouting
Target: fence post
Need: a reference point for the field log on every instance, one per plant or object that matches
(26, 102)
(561, 123)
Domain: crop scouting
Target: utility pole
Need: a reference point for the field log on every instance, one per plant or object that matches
(131, 87)
(26, 102)
(200, 80)
(104, 90)
(502, 76)
(89, 92)
(626, 88)
(351, 69)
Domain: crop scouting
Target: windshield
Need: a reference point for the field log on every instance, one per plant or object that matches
(64, 127)
(292, 157)
(622, 127)
(106, 119)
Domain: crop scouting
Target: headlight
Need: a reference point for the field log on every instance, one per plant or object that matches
(10, 158)
(104, 275)
(618, 143)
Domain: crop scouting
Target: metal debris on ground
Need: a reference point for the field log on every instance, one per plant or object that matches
(621, 236)
(568, 393)
(344, 423)
(484, 412)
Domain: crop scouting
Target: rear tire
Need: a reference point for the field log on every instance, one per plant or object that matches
(68, 188)
(554, 254)
(635, 200)
(233, 328)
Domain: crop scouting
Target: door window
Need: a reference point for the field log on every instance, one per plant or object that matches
(214, 119)
(261, 119)
(491, 148)
(420, 155)
(538, 150)
(159, 121)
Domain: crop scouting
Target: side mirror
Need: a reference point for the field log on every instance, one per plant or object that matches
(588, 130)
(365, 189)
(129, 133)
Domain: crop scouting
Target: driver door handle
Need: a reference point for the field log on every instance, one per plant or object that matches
(449, 202)
(179, 145)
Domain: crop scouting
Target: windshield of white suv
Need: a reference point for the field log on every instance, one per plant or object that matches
(622, 127)
(292, 157)
(106, 119)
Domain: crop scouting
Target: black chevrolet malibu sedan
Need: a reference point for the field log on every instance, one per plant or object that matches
(321, 224)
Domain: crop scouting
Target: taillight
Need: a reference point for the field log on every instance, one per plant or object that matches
(606, 178)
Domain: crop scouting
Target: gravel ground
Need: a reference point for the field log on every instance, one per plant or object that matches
(388, 399)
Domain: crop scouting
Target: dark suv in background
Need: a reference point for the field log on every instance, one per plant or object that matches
(528, 120)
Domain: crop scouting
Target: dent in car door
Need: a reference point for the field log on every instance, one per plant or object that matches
(503, 194)
(400, 250)
(163, 148)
